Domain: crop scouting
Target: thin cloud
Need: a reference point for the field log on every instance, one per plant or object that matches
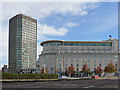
(45, 30)
(40, 11)
(71, 24)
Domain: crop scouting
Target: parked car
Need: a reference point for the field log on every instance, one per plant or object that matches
(118, 75)
(95, 76)
(63, 77)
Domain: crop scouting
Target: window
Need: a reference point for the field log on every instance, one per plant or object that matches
(65, 69)
(105, 61)
(94, 65)
(82, 44)
(94, 44)
(77, 55)
(72, 61)
(77, 61)
(104, 48)
(93, 48)
(88, 48)
(66, 44)
(98, 48)
(88, 61)
(77, 65)
(116, 60)
(88, 56)
(72, 56)
(71, 44)
(105, 56)
(60, 69)
(76, 44)
(89, 65)
(66, 51)
(105, 65)
(83, 56)
(66, 61)
(103, 44)
(82, 48)
(98, 44)
(77, 48)
(77, 69)
(83, 61)
(88, 51)
(59, 65)
(116, 56)
(100, 61)
(71, 48)
(94, 61)
(76, 51)
(66, 65)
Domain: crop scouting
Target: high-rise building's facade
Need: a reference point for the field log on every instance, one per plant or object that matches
(22, 43)
(59, 55)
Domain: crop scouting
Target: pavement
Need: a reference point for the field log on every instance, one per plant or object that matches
(29, 80)
(32, 80)
(91, 83)
(108, 78)
(72, 78)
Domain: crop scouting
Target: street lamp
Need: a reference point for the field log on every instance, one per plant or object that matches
(116, 64)
(86, 68)
(60, 66)
(44, 69)
(63, 62)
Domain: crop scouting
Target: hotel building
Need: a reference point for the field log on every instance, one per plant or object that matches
(59, 55)
(22, 43)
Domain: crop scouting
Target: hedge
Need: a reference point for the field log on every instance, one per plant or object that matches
(28, 76)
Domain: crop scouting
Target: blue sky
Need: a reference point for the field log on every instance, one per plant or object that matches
(87, 21)
(96, 25)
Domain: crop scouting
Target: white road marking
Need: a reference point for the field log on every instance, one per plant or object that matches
(88, 86)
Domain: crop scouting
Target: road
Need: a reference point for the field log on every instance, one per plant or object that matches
(63, 84)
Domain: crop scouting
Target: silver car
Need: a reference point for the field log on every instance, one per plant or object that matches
(63, 77)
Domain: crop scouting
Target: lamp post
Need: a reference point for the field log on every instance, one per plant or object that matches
(86, 69)
(44, 69)
(116, 64)
(63, 62)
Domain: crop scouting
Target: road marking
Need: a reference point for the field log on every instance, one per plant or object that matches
(88, 86)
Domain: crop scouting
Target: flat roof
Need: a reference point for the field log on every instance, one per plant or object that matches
(107, 41)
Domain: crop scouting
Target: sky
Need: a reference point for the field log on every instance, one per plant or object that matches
(81, 21)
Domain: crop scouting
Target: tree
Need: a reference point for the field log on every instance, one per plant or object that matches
(85, 69)
(55, 70)
(90, 73)
(98, 70)
(71, 70)
(42, 70)
(110, 68)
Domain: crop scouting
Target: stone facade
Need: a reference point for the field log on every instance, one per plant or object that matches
(59, 55)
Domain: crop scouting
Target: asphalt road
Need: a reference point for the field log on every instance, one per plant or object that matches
(63, 84)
